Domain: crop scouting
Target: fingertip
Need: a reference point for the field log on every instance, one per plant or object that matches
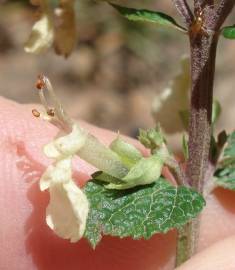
(217, 219)
(219, 256)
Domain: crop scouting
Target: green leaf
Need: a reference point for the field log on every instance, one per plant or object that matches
(225, 175)
(222, 139)
(216, 111)
(229, 151)
(226, 178)
(139, 212)
(214, 150)
(148, 16)
(185, 147)
(229, 32)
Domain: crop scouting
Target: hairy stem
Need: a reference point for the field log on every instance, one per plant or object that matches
(184, 10)
(186, 241)
(177, 171)
(203, 36)
(181, 248)
(221, 13)
(199, 5)
(203, 53)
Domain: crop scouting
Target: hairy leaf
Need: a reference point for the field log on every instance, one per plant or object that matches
(229, 151)
(148, 16)
(229, 32)
(139, 212)
(225, 175)
(226, 178)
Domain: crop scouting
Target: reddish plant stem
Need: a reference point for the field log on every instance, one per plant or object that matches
(221, 13)
(184, 10)
(203, 44)
(199, 5)
(203, 35)
(203, 54)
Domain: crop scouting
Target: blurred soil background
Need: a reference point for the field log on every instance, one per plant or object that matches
(117, 69)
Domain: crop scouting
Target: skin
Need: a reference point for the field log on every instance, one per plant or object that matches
(27, 242)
